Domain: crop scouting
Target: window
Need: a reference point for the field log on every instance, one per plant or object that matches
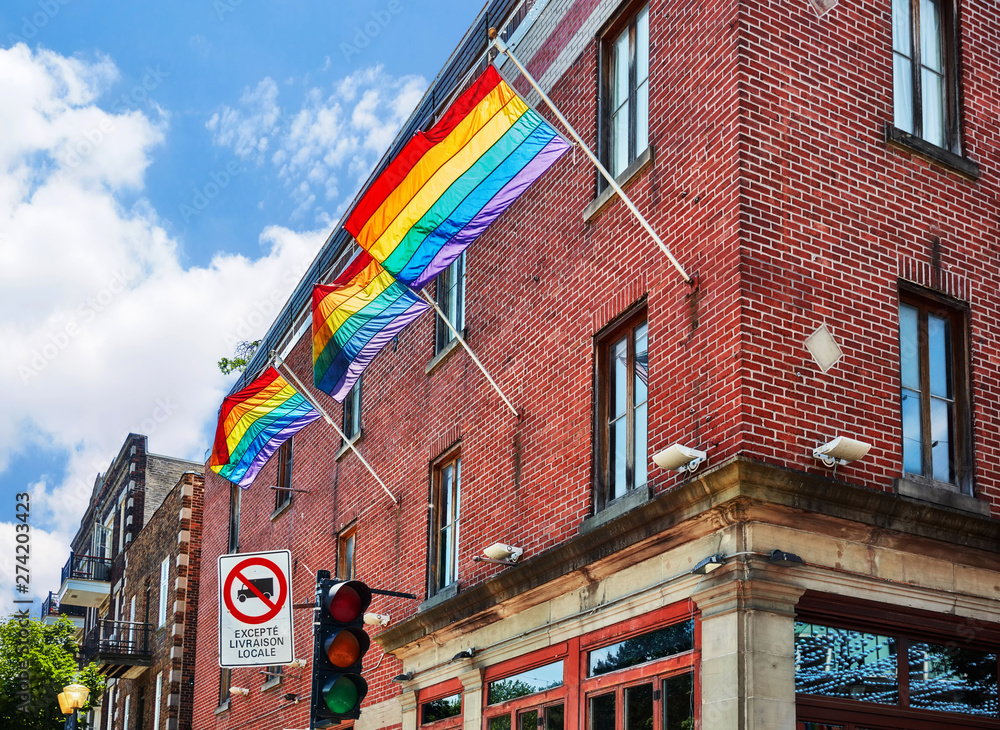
(450, 295)
(121, 523)
(346, 543)
(140, 708)
(935, 405)
(164, 580)
(225, 682)
(624, 83)
(924, 70)
(283, 493)
(157, 700)
(235, 497)
(622, 376)
(544, 707)
(446, 502)
(864, 665)
(273, 675)
(125, 714)
(639, 674)
(352, 411)
(441, 709)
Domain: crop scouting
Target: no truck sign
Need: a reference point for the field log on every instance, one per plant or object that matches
(255, 609)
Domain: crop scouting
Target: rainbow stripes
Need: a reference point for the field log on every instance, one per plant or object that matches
(449, 184)
(353, 319)
(254, 423)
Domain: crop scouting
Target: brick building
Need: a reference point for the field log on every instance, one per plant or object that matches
(128, 572)
(831, 180)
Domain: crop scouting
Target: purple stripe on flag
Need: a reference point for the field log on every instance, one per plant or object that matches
(373, 347)
(273, 444)
(510, 192)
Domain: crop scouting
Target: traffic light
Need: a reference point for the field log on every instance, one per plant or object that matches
(340, 642)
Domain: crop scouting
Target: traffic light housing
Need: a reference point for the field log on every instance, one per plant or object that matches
(340, 643)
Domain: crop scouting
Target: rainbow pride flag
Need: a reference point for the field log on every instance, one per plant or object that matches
(353, 319)
(254, 423)
(447, 185)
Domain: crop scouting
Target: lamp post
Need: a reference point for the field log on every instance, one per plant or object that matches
(71, 699)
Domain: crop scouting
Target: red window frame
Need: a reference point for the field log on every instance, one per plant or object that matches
(906, 625)
(436, 692)
(577, 687)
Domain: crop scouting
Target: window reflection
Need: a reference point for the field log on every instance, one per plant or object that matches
(950, 679)
(844, 663)
(644, 648)
(534, 680)
(441, 709)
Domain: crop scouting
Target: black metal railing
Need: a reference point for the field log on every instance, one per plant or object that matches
(87, 567)
(118, 639)
(51, 607)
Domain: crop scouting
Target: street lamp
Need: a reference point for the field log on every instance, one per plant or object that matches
(71, 699)
(76, 695)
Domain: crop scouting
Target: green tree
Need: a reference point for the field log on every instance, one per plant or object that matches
(46, 657)
(241, 358)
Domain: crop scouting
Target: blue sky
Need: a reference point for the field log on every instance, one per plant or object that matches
(167, 172)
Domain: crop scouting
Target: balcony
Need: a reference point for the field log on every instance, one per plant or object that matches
(51, 610)
(120, 648)
(86, 581)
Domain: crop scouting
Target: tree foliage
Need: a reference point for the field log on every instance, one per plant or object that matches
(241, 357)
(46, 657)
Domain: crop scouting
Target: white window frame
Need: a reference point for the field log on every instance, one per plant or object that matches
(159, 697)
(164, 582)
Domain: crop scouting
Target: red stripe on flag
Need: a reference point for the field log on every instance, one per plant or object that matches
(417, 147)
(220, 450)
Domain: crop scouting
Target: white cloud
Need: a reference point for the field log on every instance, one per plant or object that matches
(325, 148)
(247, 129)
(104, 329)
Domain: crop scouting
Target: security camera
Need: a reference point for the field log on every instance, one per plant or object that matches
(679, 458)
(377, 619)
(239, 691)
(841, 450)
(499, 551)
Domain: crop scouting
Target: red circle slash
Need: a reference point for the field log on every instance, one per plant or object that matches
(273, 607)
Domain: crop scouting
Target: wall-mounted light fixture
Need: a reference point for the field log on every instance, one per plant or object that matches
(706, 566)
(842, 450)
(500, 554)
(465, 654)
(780, 557)
(679, 458)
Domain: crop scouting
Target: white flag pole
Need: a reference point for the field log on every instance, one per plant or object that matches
(502, 47)
(305, 394)
(463, 343)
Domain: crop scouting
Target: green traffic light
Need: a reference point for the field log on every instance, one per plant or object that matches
(341, 695)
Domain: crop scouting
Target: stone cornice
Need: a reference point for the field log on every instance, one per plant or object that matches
(738, 491)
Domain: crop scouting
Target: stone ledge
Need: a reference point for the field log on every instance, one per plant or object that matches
(943, 497)
(439, 359)
(603, 200)
(631, 500)
(738, 490)
(445, 594)
(353, 441)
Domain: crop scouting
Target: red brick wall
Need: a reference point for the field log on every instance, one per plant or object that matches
(767, 150)
(832, 216)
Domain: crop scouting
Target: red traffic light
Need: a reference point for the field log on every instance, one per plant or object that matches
(346, 602)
